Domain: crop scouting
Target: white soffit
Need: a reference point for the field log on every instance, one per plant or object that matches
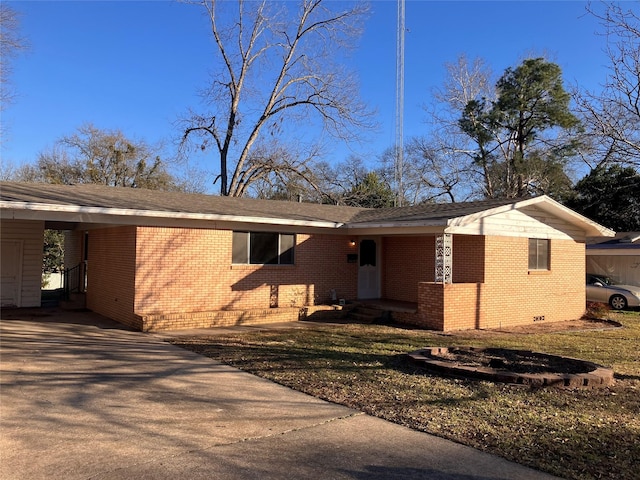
(613, 252)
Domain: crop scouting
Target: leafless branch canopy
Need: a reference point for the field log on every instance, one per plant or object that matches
(11, 43)
(612, 116)
(279, 73)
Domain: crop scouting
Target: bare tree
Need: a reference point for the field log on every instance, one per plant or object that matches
(275, 170)
(612, 116)
(434, 172)
(11, 44)
(444, 164)
(278, 76)
(107, 157)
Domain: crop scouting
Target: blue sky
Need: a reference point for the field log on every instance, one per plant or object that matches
(137, 66)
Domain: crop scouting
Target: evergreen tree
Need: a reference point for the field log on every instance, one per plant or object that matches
(610, 196)
(522, 139)
(371, 192)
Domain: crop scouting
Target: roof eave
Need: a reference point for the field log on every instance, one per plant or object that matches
(73, 213)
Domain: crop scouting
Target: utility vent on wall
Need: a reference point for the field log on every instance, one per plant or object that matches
(538, 318)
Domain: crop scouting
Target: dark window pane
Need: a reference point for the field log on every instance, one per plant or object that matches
(287, 243)
(533, 253)
(240, 247)
(368, 253)
(264, 248)
(538, 254)
(543, 255)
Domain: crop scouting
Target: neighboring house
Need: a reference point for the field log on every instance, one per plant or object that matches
(165, 260)
(618, 257)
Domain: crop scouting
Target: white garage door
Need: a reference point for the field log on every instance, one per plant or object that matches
(10, 273)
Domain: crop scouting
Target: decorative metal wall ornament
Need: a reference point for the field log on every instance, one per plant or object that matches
(444, 258)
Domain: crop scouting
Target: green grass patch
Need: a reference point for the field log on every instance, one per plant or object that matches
(575, 434)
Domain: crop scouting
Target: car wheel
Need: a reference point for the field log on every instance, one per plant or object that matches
(618, 302)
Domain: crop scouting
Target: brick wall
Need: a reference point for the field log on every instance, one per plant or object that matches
(219, 318)
(511, 294)
(411, 260)
(111, 274)
(176, 272)
(452, 306)
(407, 261)
(468, 258)
(189, 270)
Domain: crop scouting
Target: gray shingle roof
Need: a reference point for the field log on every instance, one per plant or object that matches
(99, 204)
(427, 212)
(135, 199)
(101, 196)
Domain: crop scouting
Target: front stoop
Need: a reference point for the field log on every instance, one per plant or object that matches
(216, 318)
(229, 318)
(383, 312)
(325, 312)
(369, 314)
(77, 301)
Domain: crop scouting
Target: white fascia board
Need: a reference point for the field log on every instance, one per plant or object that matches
(388, 230)
(390, 225)
(74, 213)
(547, 204)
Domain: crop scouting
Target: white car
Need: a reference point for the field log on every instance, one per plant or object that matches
(602, 289)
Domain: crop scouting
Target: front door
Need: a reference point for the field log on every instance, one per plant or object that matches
(369, 269)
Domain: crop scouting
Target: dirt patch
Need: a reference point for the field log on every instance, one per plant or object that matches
(517, 361)
(542, 327)
(521, 367)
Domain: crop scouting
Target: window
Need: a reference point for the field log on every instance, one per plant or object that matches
(263, 248)
(538, 254)
(368, 253)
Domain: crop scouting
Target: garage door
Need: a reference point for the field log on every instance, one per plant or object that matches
(10, 273)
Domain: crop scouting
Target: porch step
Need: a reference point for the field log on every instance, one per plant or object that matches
(77, 301)
(368, 314)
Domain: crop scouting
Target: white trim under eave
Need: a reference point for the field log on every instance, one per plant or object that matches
(613, 252)
(388, 230)
(74, 213)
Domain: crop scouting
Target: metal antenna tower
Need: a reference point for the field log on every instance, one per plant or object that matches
(399, 144)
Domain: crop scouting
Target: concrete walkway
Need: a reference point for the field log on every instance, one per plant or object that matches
(83, 398)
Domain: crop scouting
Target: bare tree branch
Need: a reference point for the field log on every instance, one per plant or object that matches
(612, 116)
(279, 69)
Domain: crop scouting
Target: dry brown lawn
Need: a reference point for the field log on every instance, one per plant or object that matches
(575, 434)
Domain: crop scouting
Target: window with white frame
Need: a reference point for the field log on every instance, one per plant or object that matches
(539, 254)
(263, 248)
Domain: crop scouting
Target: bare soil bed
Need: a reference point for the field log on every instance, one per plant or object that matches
(542, 328)
(517, 361)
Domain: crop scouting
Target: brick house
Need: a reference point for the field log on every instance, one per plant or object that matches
(167, 260)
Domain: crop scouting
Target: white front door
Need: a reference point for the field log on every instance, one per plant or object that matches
(369, 268)
(10, 273)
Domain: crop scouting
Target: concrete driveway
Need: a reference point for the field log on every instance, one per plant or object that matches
(83, 398)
